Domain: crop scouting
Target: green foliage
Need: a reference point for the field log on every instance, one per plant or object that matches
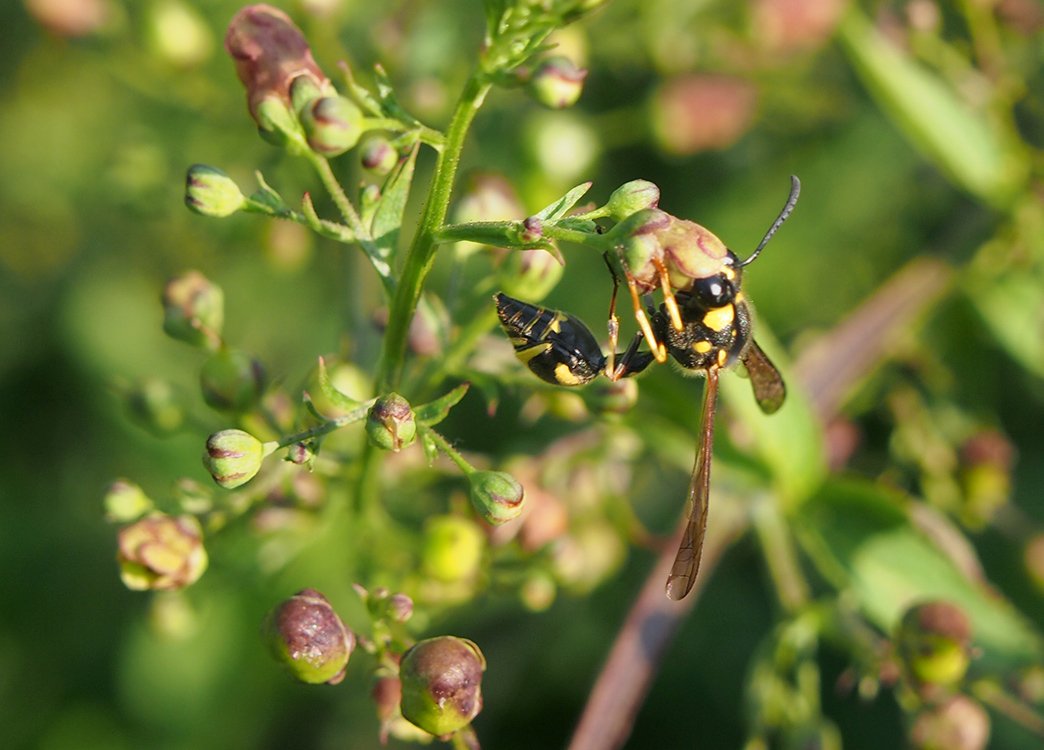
(903, 468)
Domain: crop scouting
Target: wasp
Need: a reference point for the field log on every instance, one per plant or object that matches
(704, 324)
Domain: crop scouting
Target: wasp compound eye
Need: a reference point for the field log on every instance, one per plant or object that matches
(714, 291)
(558, 348)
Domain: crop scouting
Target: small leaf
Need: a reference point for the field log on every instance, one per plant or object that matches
(337, 398)
(561, 207)
(432, 413)
(431, 450)
(387, 219)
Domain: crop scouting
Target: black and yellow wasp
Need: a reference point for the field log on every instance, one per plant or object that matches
(704, 324)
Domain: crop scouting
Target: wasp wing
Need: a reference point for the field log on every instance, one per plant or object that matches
(690, 549)
(769, 389)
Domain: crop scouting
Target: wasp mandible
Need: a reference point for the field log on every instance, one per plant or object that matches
(704, 323)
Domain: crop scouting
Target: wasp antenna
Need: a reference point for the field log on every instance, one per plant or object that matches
(795, 191)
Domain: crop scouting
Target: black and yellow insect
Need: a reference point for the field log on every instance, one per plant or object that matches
(704, 325)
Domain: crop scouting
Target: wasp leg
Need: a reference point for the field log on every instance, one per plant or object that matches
(614, 322)
(657, 347)
(632, 361)
(668, 294)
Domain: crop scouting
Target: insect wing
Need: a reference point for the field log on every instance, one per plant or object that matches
(769, 389)
(690, 549)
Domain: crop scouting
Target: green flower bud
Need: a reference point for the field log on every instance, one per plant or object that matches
(453, 549)
(332, 125)
(211, 192)
(442, 684)
(933, 643)
(632, 197)
(234, 457)
(125, 501)
(304, 89)
(154, 405)
(496, 496)
(306, 635)
(960, 723)
(277, 124)
(232, 381)
(390, 424)
(194, 310)
(160, 553)
(377, 155)
(193, 497)
(557, 83)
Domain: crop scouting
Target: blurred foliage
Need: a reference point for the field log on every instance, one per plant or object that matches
(916, 128)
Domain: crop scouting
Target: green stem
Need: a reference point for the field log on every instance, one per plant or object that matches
(421, 254)
(454, 455)
(325, 428)
(780, 555)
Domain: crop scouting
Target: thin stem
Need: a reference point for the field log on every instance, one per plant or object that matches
(421, 254)
(780, 555)
(325, 428)
(454, 455)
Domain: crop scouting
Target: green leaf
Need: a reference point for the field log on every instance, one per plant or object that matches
(562, 206)
(861, 538)
(387, 219)
(963, 141)
(430, 414)
(336, 397)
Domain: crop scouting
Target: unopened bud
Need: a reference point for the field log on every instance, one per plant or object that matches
(557, 82)
(306, 635)
(211, 192)
(390, 423)
(125, 501)
(958, 724)
(933, 643)
(304, 90)
(496, 496)
(234, 457)
(377, 155)
(194, 310)
(453, 549)
(232, 381)
(154, 405)
(332, 125)
(161, 553)
(442, 684)
(631, 197)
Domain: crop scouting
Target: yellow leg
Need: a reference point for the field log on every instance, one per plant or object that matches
(668, 294)
(658, 349)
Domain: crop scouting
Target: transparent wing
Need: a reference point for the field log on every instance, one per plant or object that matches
(769, 389)
(687, 561)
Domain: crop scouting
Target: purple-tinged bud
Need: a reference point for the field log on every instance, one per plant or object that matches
(442, 684)
(532, 229)
(987, 459)
(161, 553)
(632, 197)
(300, 454)
(125, 502)
(154, 405)
(377, 155)
(270, 53)
(306, 635)
(194, 310)
(557, 82)
(211, 192)
(390, 424)
(452, 549)
(232, 381)
(234, 457)
(400, 607)
(701, 112)
(960, 723)
(933, 644)
(332, 125)
(496, 496)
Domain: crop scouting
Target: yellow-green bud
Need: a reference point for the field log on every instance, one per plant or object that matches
(161, 553)
(234, 457)
(453, 548)
(125, 501)
(933, 643)
(557, 82)
(390, 424)
(332, 125)
(442, 684)
(377, 155)
(154, 405)
(232, 381)
(304, 90)
(306, 635)
(211, 192)
(632, 197)
(496, 496)
(194, 310)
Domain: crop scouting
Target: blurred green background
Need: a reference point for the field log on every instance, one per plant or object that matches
(105, 104)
